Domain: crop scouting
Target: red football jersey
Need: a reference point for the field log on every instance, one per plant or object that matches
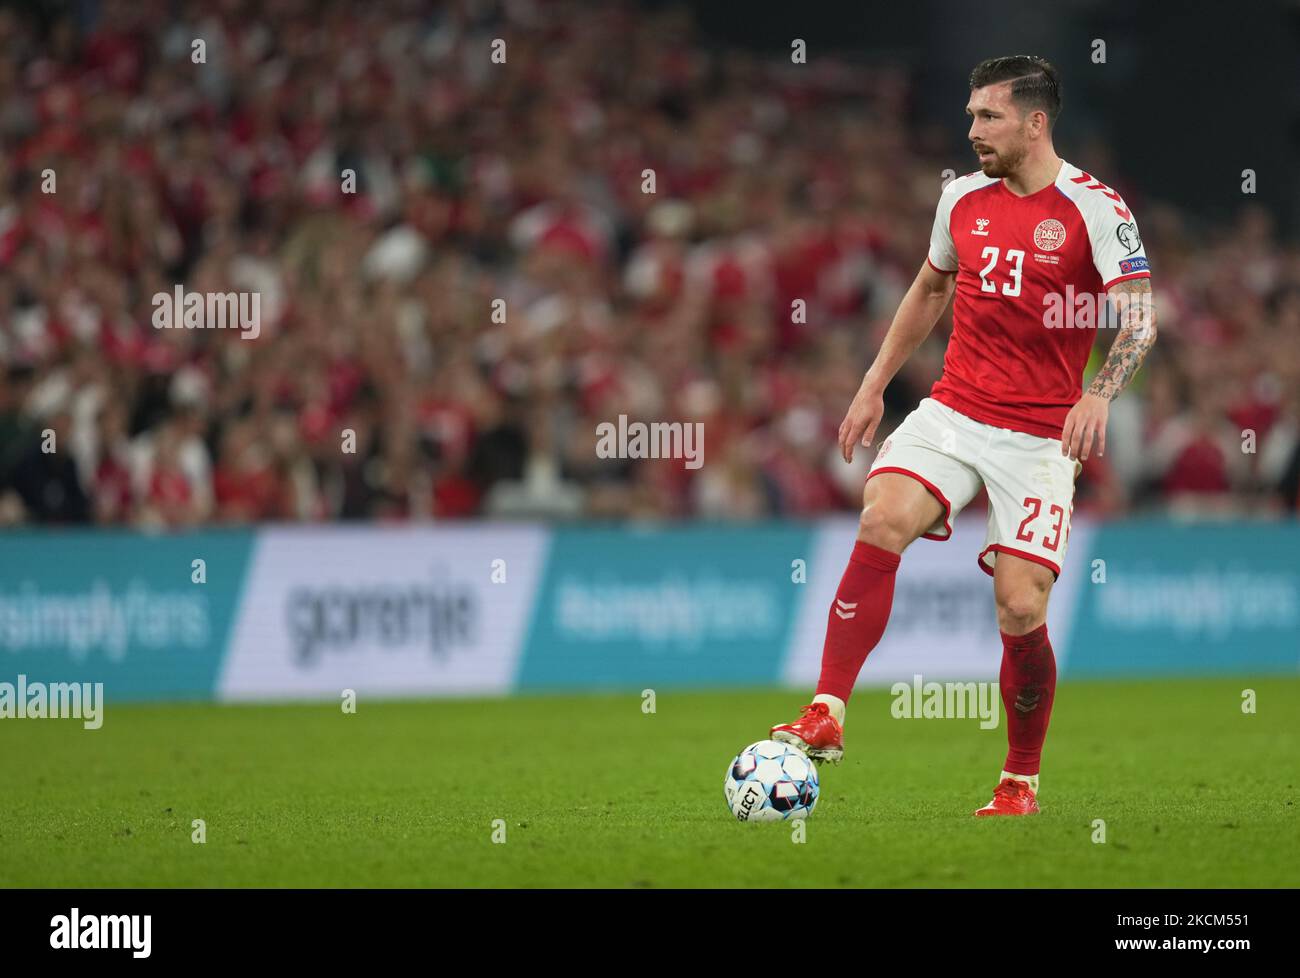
(1009, 362)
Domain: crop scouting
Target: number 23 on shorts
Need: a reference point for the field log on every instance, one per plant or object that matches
(1047, 530)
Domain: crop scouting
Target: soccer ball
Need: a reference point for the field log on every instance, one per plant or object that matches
(771, 782)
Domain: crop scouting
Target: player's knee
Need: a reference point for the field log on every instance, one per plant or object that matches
(885, 527)
(1023, 607)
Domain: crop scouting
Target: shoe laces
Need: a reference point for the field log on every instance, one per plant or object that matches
(1011, 787)
(814, 709)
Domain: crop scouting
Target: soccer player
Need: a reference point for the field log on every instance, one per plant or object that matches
(1018, 241)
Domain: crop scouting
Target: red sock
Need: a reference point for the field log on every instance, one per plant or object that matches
(1028, 684)
(857, 617)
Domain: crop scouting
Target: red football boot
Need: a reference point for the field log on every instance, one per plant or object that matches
(1011, 797)
(816, 733)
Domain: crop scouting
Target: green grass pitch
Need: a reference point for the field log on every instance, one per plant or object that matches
(594, 792)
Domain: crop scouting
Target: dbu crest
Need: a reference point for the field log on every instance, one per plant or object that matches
(1049, 235)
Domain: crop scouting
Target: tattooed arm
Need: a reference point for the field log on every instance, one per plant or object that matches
(1137, 334)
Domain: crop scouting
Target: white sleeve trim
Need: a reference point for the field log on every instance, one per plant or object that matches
(1117, 249)
(943, 250)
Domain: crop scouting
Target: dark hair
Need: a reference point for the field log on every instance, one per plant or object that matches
(1035, 82)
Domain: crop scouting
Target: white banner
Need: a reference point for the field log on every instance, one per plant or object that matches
(384, 612)
(943, 625)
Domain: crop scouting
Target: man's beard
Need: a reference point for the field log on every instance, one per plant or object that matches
(1004, 164)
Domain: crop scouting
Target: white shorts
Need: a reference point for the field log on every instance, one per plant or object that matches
(1030, 483)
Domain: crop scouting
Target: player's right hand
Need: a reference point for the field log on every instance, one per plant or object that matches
(860, 423)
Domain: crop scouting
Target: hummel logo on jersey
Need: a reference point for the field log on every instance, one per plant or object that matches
(981, 224)
(845, 608)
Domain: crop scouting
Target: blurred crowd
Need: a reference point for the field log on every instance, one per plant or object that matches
(466, 264)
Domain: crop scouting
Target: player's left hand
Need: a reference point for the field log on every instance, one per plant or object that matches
(1085, 420)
